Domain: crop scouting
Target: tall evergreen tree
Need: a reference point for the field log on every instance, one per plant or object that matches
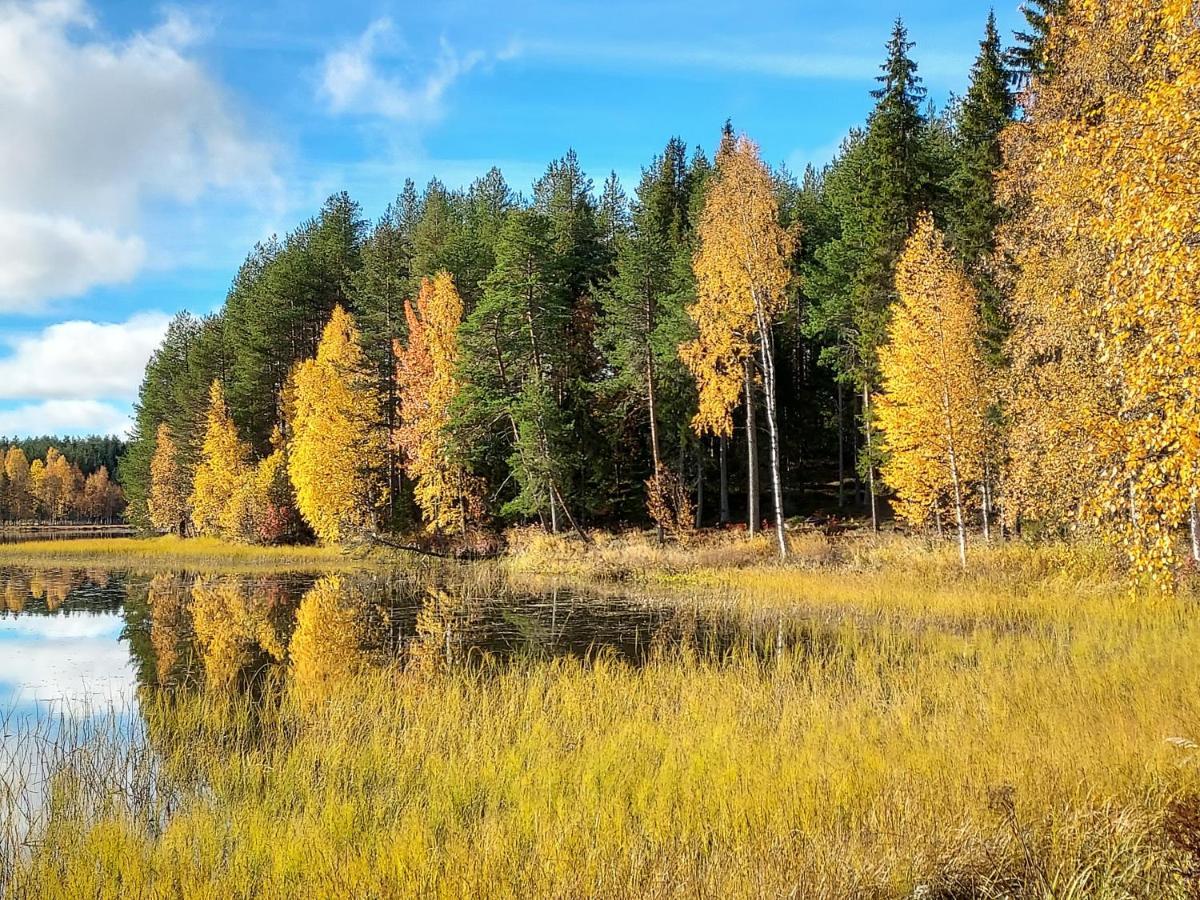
(516, 358)
(644, 308)
(974, 213)
(1027, 57)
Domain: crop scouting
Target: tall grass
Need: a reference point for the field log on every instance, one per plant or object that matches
(165, 552)
(1021, 732)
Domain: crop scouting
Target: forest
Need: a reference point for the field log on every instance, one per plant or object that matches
(60, 480)
(978, 319)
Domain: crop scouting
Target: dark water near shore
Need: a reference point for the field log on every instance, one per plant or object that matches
(74, 639)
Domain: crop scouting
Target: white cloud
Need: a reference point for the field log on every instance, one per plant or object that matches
(64, 417)
(57, 256)
(351, 80)
(81, 360)
(94, 129)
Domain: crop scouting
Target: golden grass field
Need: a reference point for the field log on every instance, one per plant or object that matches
(1026, 729)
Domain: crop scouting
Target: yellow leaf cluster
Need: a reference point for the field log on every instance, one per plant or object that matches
(931, 411)
(336, 446)
(1106, 349)
(742, 271)
(223, 467)
(168, 500)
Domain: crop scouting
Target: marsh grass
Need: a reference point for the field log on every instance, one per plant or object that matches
(1027, 729)
(170, 552)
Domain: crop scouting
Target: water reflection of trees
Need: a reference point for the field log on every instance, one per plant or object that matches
(48, 591)
(229, 631)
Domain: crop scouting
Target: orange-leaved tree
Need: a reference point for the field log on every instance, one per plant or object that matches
(932, 409)
(450, 497)
(743, 268)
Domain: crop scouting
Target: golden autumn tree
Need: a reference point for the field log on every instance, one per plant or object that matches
(336, 447)
(450, 497)
(742, 272)
(37, 486)
(21, 501)
(932, 409)
(1144, 165)
(224, 463)
(1108, 163)
(168, 500)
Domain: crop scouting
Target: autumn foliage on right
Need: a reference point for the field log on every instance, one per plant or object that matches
(1088, 419)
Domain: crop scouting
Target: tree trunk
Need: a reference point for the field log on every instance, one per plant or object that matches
(866, 400)
(752, 513)
(1194, 521)
(986, 504)
(723, 453)
(767, 356)
(699, 520)
(956, 482)
(654, 446)
(841, 417)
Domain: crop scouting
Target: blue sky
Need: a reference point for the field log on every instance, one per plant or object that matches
(147, 147)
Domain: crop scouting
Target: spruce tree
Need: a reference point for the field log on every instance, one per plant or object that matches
(974, 212)
(644, 310)
(1027, 58)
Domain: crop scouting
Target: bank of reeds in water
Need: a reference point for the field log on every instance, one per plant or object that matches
(171, 552)
(975, 737)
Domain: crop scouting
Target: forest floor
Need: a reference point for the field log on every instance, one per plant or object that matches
(1030, 727)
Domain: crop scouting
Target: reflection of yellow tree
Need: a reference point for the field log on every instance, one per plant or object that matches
(232, 628)
(333, 638)
(16, 593)
(169, 623)
(441, 623)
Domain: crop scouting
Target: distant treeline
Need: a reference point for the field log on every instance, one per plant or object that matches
(88, 453)
(52, 488)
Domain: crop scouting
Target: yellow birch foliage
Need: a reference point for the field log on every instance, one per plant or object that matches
(333, 461)
(743, 260)
(22, 504)
(426, 372)
(168, 500)
(224, 463)
(1111, 158)
(1145, 178)
(932, 410)
(37, 485)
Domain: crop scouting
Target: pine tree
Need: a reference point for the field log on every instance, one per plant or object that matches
(931, 412)
(1028, 58)
(645, 319)
(743, 268)
(516, 358)
(380, 287)
(336, 442)
(884, 177)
